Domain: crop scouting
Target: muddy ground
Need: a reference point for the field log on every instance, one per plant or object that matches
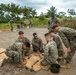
(7, 38)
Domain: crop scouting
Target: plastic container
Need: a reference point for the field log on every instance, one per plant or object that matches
(55, 68)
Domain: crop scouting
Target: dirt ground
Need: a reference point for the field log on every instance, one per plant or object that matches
(7, 38)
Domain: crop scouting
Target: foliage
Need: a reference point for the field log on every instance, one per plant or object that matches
(42, 16)
(61, 14)
(51, 10)
(13, 11)
(71, 12)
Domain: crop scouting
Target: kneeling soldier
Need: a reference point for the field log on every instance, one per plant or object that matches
(16, 52)
(50, 52)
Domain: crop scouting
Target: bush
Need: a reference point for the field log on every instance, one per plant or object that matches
(42, 17)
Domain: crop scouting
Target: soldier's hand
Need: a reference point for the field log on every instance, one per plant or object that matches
(24, 62)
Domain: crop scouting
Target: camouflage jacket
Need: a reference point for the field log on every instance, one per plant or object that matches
(64, 39)
(24, 39)
(17, 46)
(58, 42)
(52, 22)
(50, 51)
(37, 43)
(68, 32)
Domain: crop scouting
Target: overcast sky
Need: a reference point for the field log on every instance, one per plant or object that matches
(43, 5)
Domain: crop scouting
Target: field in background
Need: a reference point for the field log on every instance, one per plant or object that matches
(37, 22)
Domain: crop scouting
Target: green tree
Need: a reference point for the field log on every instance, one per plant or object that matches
(13, 11)
(42, 16)
(51, 10)
(34, 13)
(61, 14)
(71, 12)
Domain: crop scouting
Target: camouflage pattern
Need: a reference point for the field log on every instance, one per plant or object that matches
(52, 22)
(24, 39)
(57, 40)
(15, 52)
(71, 36)
(50, 53)
(37, 44)
(64, 39)
(30, 23)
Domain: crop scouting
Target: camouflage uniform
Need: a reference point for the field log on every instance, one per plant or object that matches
(24, 39)
(15, 52)
(71, 36)
(50, 53)
(11, 24)
(37, 44)
(59, 44)
(30, 23)
(64, 39)
(52, 22)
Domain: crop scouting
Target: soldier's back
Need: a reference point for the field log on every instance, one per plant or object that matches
(69, 32)
(16, 46)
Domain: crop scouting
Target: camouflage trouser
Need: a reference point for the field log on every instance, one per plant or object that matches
(48, 61)
(14, 55)
(70, 56)
(45, 62)
(73, 50)
(11, 27)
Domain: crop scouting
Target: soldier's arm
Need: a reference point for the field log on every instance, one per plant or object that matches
(20, 54)
(59, 44)
(46, 52)
(53, 53)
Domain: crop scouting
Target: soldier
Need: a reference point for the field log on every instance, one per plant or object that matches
(21, 24)
(62, 50)
(57, 40)
(11, 24)
(37, 43)
(25, 24)
(16, 52)
(30, 22)
(53, 20)
(71, 36)
(18, 26)
(23, 39)
(50, 51)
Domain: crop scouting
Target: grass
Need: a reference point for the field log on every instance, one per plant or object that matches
(6, 26)
(41, 23)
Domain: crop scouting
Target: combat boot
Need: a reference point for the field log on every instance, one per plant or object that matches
(10, 60)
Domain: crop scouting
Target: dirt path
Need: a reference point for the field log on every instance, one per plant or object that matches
(7, 38)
